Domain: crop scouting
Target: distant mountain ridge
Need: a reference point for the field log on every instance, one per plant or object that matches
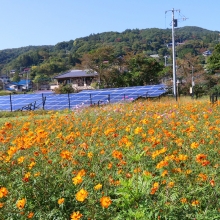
(149, 41)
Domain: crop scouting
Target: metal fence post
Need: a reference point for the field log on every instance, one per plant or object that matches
(10, 103)
(69, 99)
(90, 98)
(109, 98)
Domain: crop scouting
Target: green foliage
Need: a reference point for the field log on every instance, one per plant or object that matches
(64, 89)
(41, 78)
(214, 60)
(215, 90)
(16, 77)
(143, 70)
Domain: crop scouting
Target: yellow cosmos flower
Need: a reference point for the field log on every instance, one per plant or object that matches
(98, 186)
(90, 155)
(37, 174)
(194, 145)
(31, 165)
(77, 180)
(20, 160)
(138, 130)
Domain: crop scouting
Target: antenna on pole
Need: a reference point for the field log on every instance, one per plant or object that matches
(174, 24)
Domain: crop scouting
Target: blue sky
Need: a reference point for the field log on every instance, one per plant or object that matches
(48, 22)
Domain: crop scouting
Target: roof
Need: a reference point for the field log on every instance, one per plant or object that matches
(76, 73)
(22, 82)
(154, 55)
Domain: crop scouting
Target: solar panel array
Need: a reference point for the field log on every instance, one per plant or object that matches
(83, 98)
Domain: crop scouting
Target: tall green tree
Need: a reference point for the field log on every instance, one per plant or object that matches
(213, 62)
(142, 70)
(16, 77)
(101, 61)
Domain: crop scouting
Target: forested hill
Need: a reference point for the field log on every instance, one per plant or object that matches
(66, 54)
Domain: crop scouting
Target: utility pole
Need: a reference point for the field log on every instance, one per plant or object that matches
(174, 24)
(192, 82)
(174, 58)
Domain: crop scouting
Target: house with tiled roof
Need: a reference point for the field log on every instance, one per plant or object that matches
(79, 79)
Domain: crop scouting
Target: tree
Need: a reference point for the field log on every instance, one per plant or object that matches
(213, 62)
(142, 70)
(16, 77)
(41, 79)
(190, 71)
(101, 61)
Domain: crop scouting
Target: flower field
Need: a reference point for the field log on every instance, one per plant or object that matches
(141, 160)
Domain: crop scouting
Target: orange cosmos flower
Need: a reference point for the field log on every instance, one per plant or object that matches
(31, 165)
(147, 173)
(65, 154)
(195, 203)
(138, 130)
(81, 195)
(165, 172)
(8, 125)
(151, 131)
(212, 182)
(117, 154)
(37, 174)
(60, 201)
(205, 163)
(76, 215)
(3, 192)
(30, 215)
(154, 188)
(21, 203)
(128, 175)
(170, 184)
(162, 164)
(137, 170)
(202, 177)
(183, 200)
(200, 157)
(109, 165)
(188, 172)
(182, 157)
(92, 175)
(1, 205)
(105, 201)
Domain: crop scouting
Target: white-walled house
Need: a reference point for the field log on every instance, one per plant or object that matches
(79, 79)
(5, 79)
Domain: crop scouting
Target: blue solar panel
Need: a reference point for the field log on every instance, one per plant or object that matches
(83, 98)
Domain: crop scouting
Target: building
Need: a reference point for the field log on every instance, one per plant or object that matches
(5, 79)
(22, 85)
(207, 53)
(80, 79)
